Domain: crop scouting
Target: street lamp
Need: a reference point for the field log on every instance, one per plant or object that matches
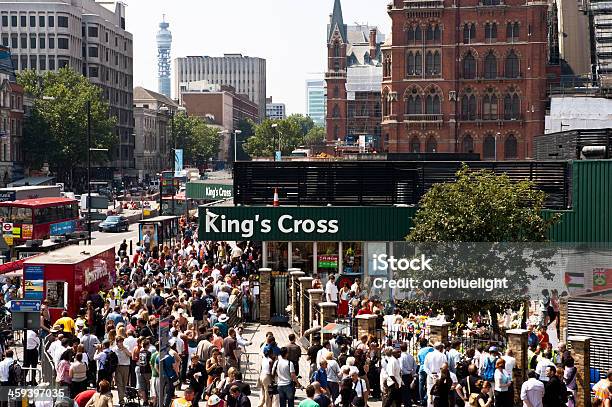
(236, 133)
(275, 126)
(496, 136)
(166, 109)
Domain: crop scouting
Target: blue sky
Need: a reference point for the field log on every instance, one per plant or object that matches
(289, 34)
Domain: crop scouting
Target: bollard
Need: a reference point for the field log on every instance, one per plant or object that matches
(131, 249)
(304, 314)
(581, 349)
(438, 331)
(517, 341)
(265, 294)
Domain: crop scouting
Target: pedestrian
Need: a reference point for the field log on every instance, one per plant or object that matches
(78, 375)
(347, 394)
(123, 368)
(285, 379)
(503, 396)
(309, 400)
(484, 399)
(144, 371)
(196, 376)
(555, 393)
(30, 359)
(333, 376)
(432, 366)
(265, 380)
(321, 396)
(532, 391)
(424, 350)
(237, 398)
(331, 290)
(103, 398)
(408, 368)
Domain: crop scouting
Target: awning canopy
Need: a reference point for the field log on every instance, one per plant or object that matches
(32, 181)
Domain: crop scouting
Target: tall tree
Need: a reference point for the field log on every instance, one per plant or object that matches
(315, 137)
(56, 131)
(289, 134)
(199, 141)
(481, 206)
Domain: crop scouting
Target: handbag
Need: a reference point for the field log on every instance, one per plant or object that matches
(273, 389)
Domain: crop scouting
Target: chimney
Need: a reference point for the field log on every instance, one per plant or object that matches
(372, 43)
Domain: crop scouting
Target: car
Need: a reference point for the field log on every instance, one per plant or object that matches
(114, 223)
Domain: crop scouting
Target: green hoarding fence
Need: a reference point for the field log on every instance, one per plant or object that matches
(305, 223)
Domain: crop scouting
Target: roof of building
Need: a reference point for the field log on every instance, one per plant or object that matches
(141, 93)
(69, 255)
(34, 181)
(337, 22)
(30, 203)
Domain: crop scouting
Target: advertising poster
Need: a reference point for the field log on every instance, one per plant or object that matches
(148, 235)
(328, 261)
(26, 231)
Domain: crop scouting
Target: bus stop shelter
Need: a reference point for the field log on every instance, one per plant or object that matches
(158, 230)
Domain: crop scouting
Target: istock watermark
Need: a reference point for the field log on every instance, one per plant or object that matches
(488, 285)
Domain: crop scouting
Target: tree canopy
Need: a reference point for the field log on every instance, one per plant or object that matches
(199, 141)
(289, 134)
(56, 131)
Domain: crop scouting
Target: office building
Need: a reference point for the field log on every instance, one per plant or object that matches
(164, 45)
(87, 36)
(275, 111)
(245, 74)
(316, 100)
(353, 78)
(11, 121)
(153, 152)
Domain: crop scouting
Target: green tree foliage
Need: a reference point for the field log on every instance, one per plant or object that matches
(56, 131)
(199, 141)
(481, 206)
(315, 137)
(289, 134)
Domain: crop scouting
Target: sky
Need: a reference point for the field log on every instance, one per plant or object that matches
(289, 34)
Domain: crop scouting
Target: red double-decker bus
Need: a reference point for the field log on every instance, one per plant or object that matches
(40, 218)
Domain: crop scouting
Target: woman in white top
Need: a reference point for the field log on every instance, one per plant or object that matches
(503, 395)
(265, 379)
(333, 375)
(78, 374)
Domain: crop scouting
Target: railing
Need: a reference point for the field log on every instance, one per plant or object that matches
(48, 367)
(423, 117)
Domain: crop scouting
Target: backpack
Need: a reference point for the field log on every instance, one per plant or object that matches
(489, 369)
(144, 356)
(461, 369)
(110, 363)
(15, 376)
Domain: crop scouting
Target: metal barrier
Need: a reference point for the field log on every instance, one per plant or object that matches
(47, 366)
(280, 291)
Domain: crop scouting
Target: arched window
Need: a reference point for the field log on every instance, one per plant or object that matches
(469, 33)
(415, 145)
(510, 147)
(430, 33)
(336, 132)
(336, 111)
(512, 65)
(336, 49)
(432, 103)
(410, 35)
(410, 64)
(429, 63)
(414, 104)
(467, 144)
(512, 106)
(431, 146)
(488, 148)
(489, 106)
(490, 66)
(432, 63)
(351, 110)
(468, 106)
(418, 63)
(512, 32)
(418, 33)
(336, 66)
(437, 33)
(336, 92)
(490, 32)
(469, 66)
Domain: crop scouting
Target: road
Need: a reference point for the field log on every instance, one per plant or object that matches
(108, 238)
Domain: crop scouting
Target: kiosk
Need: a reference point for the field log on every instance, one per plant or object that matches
(67, 277)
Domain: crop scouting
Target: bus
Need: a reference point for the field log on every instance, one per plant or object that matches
(40, 218)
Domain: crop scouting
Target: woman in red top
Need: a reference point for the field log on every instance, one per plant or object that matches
(543, 338)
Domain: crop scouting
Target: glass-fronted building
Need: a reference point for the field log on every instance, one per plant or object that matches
(316, 100)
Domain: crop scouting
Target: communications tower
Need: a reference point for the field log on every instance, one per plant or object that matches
(164, 43)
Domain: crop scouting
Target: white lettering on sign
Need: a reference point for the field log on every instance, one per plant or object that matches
(218, 192)
(99, 271)
(286, 224)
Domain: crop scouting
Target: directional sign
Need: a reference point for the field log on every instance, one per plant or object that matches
(25, 306)
(7, 227)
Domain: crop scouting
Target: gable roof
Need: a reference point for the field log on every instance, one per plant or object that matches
(141, 93)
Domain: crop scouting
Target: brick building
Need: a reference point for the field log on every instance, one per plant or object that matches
(479, 87)
(353, 78)
(11, 121)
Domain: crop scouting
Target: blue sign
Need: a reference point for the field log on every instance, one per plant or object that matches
(33, 272)
(277, 156)
(178, 162)
(6, 196)
(25, 306)
(62, 228)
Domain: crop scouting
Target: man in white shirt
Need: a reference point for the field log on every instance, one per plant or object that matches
(510, 362)
(123, 368)
(532, 391)
(322, 353)
(331, 291)
(30, 358)
(57, 348)
(454, 356)
(432, 366)
(285, 377)
(409, 367)
(543, 363)
(4, 368)
(394, 379)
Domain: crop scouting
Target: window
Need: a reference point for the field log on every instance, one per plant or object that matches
(32, 21)
(336, 91)
(336, 49)
(431, 145)
(92, 31)
(414, 104)
(42, 63)
(51, 42)
(489, 106)
(512, 65)
(510, 147)
(512, 32)
(490, 66)
(415, 145)
(42, 44)
(33, 61)
(13, 21)
(93, 52)
(62, 43)
(5, 40)
(432, 63)
(51, 20)
(24, 42)
(4, 21)
(410, 35)
(93, 71)
(52, 63)
(468, 106)
(432, 103)
(41, 21)
(32, 42)
(488, 147)
(469, 66)
(336, 132)
(62, 63)
(23, 21)
(491, 2)
(469, 33)
(414, 63)
(490, 32)
(14, 41)
(62, 21)
(512, 106)
(336, 111)
(467, 144)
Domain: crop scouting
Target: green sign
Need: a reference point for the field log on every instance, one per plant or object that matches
(328, 261)
(211, 192)
(305, 224)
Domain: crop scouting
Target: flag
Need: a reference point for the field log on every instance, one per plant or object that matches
(574, 280)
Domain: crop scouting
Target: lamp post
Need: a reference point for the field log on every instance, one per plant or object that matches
(236, 133)
(275, 126)
(165, 108)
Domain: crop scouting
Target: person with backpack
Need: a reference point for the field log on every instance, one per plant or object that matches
(488, 370)
(320, 376)
(107, 362)
(10, 370)
(432, 366)
(143, 370)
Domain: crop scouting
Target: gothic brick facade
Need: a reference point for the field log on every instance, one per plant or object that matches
(465, 76)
